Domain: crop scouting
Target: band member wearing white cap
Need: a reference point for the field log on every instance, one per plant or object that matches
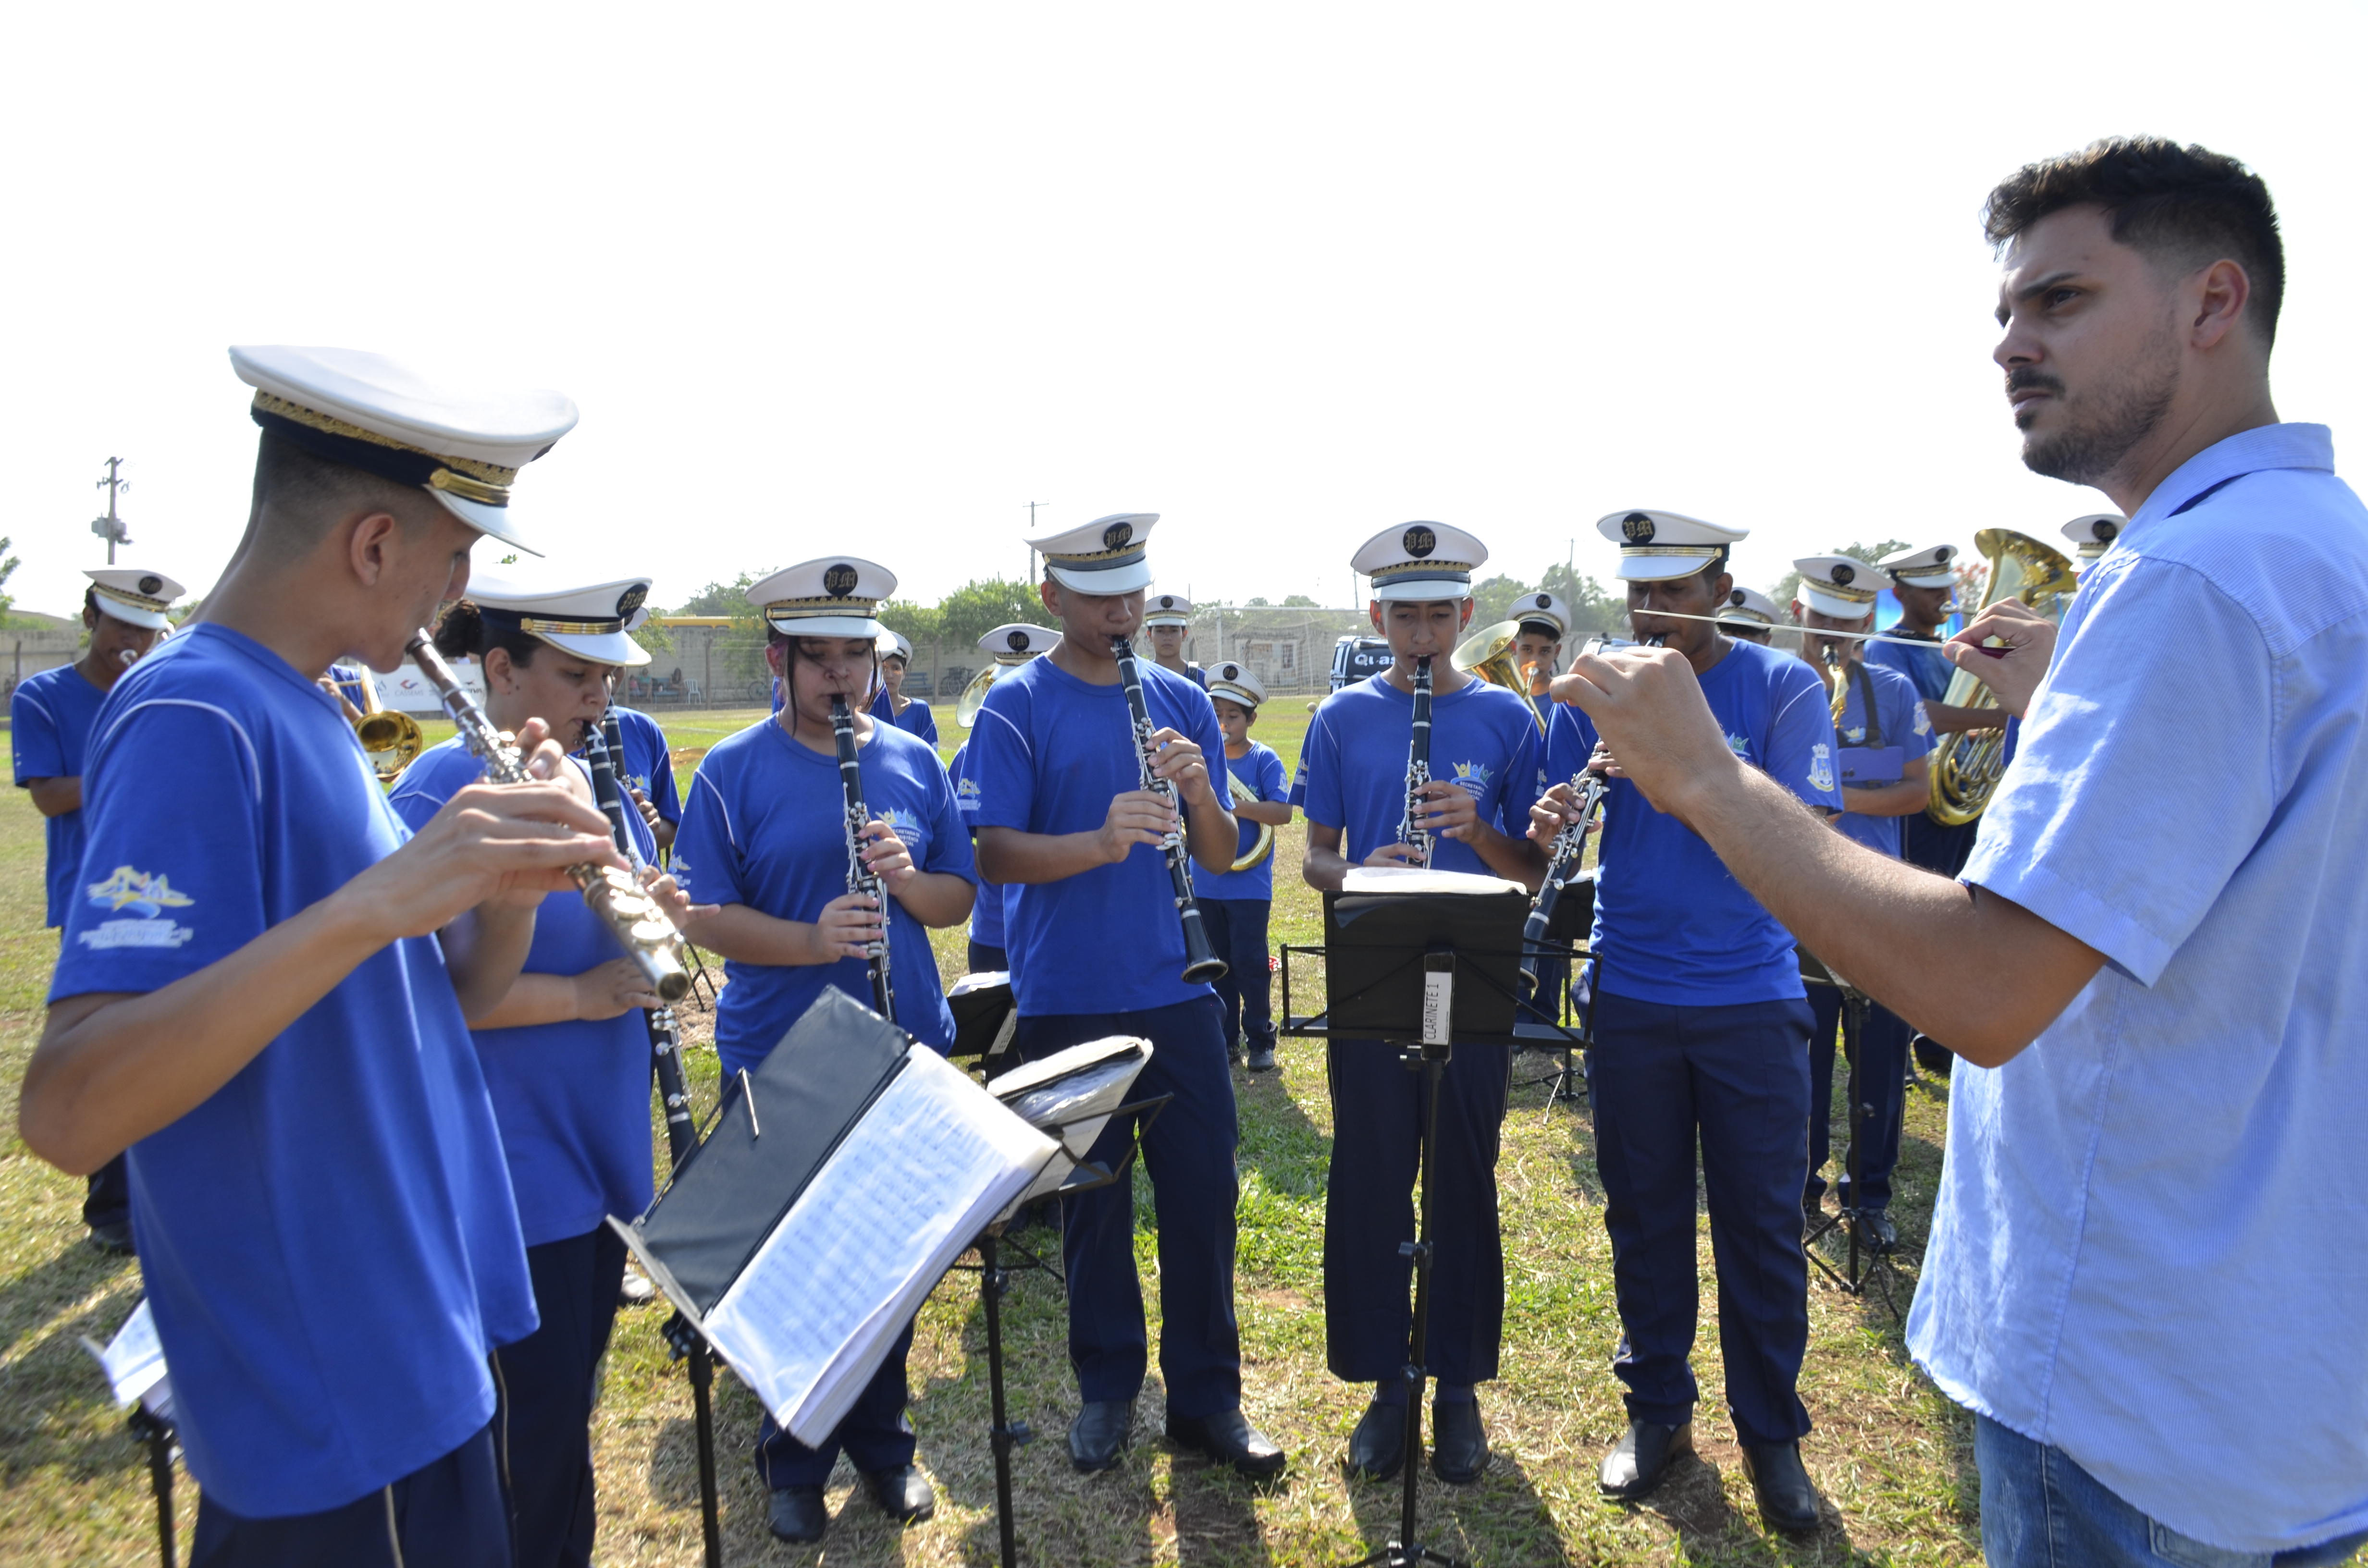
(1544, 621)
(1885, 741)
(1097, 950)
(1166, 619)
(1484, 765)
(1235, 904)
(909, 714)
(1749, 616)
(1011, 646)
(2093, 534)
(125, 611)
(764, 838)
(1701, 1028)
(1924, 581)
(566, 1058)
(264, 981)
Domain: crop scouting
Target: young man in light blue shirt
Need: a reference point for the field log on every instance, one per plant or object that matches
(2145, 1274)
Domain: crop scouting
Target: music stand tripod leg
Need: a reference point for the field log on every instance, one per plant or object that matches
(158, 1439)
(688, 1343)
(1005, 1434)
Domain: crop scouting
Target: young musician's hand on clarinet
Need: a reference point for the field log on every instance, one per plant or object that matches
(888, 857)
(1550, 812)
(1136, 817)
(1393, 855)
(1181, 763)
(1452, 812)
(847, 928)
(612, 990)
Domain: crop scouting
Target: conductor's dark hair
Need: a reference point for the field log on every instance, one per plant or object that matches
(307, 492)
(465, 633)
(2184, 207)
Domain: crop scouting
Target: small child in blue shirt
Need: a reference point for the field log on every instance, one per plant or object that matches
(1234, 904)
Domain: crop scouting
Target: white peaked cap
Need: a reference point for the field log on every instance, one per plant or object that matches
(590, 620)
(366, 412)
(1235, 684)
(1105, 556)
(1837, 586)
(1018, 643)
(1167, 610)
(1420, 563)
(1927, 567)
(1657, 545)
(134, 596)
(837, 595)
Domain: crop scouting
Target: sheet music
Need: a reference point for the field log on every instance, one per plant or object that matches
(134, 1363)
(984, 980)
(1414, 878)
(928, 1166)
(1071, 1093)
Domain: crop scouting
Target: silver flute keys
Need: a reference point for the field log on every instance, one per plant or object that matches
(623, 905)
(1417, 807)
(860, 877)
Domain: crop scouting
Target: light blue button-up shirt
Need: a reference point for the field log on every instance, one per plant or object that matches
(2151, 1245)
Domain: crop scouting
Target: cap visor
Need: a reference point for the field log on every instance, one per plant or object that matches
(1661, 568)
(1421, 590)
(1165, 618)
(1925, 579)
(826, 626)
(602, 647)
(146, 619)
(492, 520)
(1232, 694)
(1117, 580)
(1828, 604)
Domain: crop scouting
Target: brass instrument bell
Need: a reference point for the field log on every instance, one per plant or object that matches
(1966, 765)
(1487, 653)
(392, 741)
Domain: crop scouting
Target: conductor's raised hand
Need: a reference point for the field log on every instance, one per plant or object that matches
(2013, 671)
(847, 928)
(1136, 817)
(1179, 762)
(1648, 710)
(889, 860)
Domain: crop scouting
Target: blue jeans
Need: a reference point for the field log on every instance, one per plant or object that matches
(2041, 1510)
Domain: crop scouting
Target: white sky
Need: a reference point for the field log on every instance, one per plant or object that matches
(837, 279)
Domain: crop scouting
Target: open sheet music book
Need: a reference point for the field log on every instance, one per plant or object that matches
(839, 1182)
(1420, 879)
(1071, 1095)
(134, 1364)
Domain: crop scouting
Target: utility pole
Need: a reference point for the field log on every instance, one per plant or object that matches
(111, 528)
(1031, 528)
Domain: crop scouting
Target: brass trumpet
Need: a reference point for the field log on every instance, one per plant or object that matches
(1488, 655)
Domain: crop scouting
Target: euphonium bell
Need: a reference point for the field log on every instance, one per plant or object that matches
(1263, 845)
(974, 695)
(1966, 765)
(1488, 654)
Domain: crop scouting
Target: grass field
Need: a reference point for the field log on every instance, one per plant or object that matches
(1891, 1456)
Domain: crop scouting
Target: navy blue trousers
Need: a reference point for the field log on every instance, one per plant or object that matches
(1882, 1083)
(1378, 1108)
(108, 1199)
(984, 960)
(1189, 1150)
(1923, 842)
(873, 1434)
(547, 1392)
(1236, 928)
(1740, 1075)
(449, 1512)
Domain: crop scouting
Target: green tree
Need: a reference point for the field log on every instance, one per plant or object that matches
(978, 607)
(1788, 587)
(7, 569)
(1298, 601)
(1259, 603)
(918, 623)
(1594, 611)
(1492, 598)
(724, 599)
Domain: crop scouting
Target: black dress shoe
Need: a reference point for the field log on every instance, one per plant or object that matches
(799, 1513)
(1377, 1446)
(1876, 1232)
(1643, 1457)
(904, 1494)
(1787, 1501)
(1262, 1057)
(1933, 1057)
(1459, 1443)
(1101, 1433)
(1227, 1438)
(115, 1240)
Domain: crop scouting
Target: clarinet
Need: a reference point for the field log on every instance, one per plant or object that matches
(1419, 768)
(631, 915)
(860, 877)
(603, 744)
(1562, 857)
(1201, 961)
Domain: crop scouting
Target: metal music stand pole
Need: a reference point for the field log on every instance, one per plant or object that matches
(158, 1437)
(1852, 1279)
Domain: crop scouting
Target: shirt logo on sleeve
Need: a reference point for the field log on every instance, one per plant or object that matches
(1923, 720)
(1821, 768)
(146, 896)
(1739, 746)
(967, 795)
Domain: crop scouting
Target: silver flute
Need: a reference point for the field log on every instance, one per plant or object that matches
(623, 905)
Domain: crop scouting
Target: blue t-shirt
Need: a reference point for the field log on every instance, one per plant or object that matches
(915, 720)
(2118, 1196)
(1926, 668)
(329, 1240)
(573, 1097)
(986, 915)
(766, 827)
(1261, 769)
(1672, 926)
(49, 722)
(1905, 731)
(1482, 737)
(647, 764)
(1048, 755)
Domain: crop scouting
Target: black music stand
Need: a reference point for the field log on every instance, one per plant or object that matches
(1862, 1263)
(1421, 971)
(151, 1421)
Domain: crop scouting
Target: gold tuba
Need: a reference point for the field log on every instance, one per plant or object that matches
(1966, 765)
(392, 741)
(1488, 655)
(1263, 846)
